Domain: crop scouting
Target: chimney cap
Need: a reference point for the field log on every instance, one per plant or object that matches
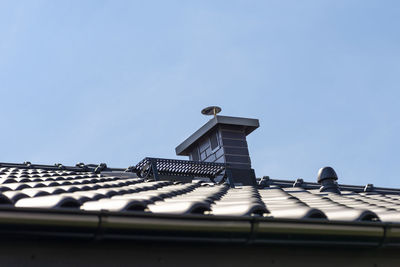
(249, 126)
(211, 110)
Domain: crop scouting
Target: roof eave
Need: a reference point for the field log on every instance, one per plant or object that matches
(195, 228)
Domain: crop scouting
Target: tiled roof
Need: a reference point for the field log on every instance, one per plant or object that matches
(116, 191)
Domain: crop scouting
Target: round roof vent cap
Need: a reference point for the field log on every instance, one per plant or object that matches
(326, 173)
(211, 110)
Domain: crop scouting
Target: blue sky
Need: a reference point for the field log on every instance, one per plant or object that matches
(115, 81)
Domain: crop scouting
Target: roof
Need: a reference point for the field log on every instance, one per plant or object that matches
(38, 191)
(249, 125)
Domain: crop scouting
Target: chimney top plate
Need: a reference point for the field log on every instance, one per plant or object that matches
(249, 125)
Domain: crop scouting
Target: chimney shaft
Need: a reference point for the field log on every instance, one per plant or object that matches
(223, 139)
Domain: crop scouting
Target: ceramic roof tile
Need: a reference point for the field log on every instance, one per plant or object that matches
(51, 201)
(179, 207)
(88, 191)
(114, 205)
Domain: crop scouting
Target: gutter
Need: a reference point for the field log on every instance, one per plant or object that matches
(101, 226)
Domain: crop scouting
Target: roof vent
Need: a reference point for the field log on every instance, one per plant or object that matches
(327, 177)
(212, 110)
(223, 140)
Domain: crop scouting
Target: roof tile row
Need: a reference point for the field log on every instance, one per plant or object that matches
(36, 188)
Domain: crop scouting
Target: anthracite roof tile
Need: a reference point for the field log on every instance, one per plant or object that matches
(51, 201)
(179, 207)
(114, 205)
(115, 191)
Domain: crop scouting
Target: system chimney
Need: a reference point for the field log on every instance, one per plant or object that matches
(223, 139)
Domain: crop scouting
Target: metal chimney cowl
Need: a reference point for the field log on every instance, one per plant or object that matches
(223, 139)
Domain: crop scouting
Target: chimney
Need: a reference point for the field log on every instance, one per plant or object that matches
(223, 139)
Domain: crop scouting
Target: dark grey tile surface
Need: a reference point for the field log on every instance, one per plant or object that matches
(51, 189)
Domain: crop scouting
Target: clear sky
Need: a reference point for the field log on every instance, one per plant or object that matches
(116, 81)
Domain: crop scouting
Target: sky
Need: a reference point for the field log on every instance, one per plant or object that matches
(116, 81)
